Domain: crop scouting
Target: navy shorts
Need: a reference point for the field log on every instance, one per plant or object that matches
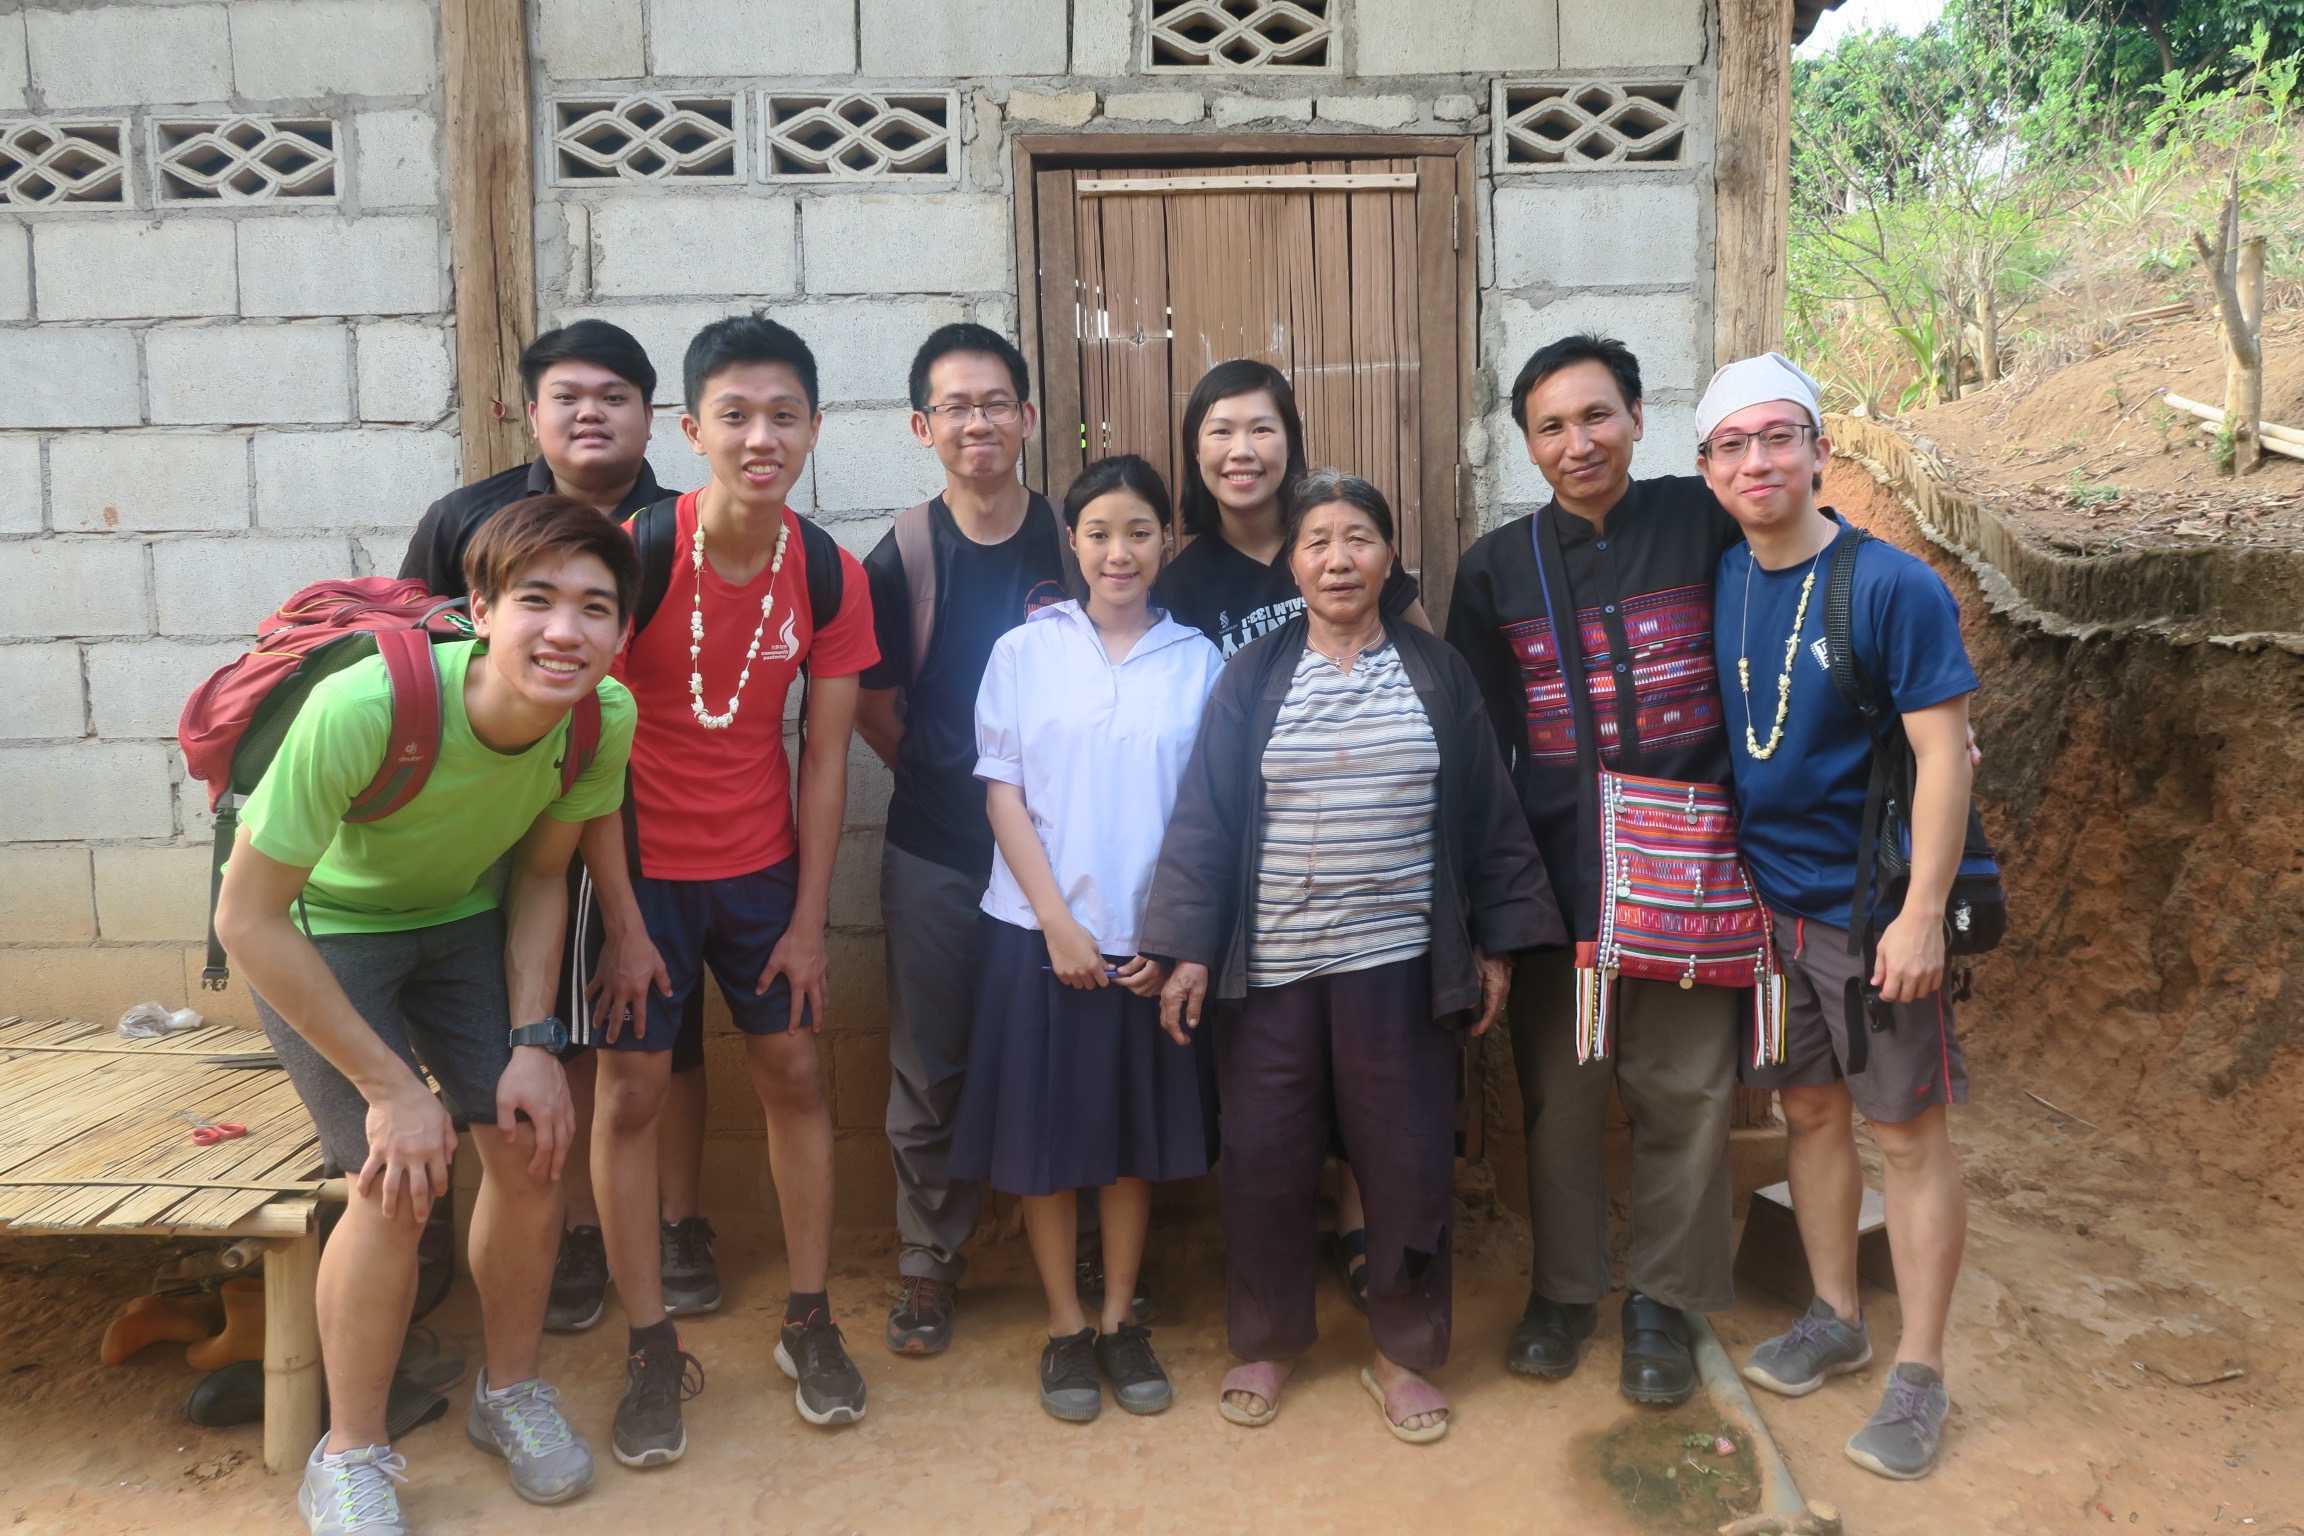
(730, 926)
(587, 934)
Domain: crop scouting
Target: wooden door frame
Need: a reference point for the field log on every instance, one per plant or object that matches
(1055, 360)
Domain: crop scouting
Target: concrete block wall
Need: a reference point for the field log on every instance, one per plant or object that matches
(214, 402)
(865, 265)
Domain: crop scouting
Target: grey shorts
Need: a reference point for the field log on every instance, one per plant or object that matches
(1912, 1065)
(436, 996)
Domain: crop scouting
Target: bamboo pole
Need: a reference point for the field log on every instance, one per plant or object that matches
(293, 1381)
(2272, 431)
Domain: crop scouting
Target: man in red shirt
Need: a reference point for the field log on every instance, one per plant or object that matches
(726, 871)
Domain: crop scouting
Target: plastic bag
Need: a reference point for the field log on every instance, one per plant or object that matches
(149, 1021)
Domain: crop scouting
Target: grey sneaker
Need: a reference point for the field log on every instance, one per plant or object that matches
(1139, 1385)
(579, 1282)
(523, 1423)
(830, 1389)
(1904, 1433)
(648, 1428)
(921, 1321)
(1069, 1386)
(1796, 1361)
(691, 1279)
(353, 1491)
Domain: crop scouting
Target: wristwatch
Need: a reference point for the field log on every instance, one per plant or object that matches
(547, 1032)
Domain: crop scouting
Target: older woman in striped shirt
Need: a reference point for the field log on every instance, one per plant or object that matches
(1347, 861)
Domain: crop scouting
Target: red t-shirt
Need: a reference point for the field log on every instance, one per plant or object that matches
(712, 804)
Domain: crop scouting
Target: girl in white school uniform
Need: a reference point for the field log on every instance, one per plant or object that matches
(1085, 719)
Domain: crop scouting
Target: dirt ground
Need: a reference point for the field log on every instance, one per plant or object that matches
(2092, 461)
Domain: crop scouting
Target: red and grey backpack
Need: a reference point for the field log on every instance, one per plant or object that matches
(235, 721)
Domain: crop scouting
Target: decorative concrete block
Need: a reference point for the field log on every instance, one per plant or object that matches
(1229, 110)
(405, 371)
(137, 689)
(649, 244)
(1155, 106)
(398, 165)
(223, 586)
(250, 373)
(148, 481)
(118, 270)
(1369, 111)
(45, 895)
(962, 37)
(1455, 37)
(591, 39)
(754, 37)
(42, 686)
(20, 498)
(130, 55)
(372, 477)
(15, 272)
(943, 243)
(15, 69)
(85, 790)
(63, 587)
(333, 47)
(394, 264)
(1101, 36)
(1612, 34)
(1060, 109)
(824, 137)
(1592, 234)
(152, 894)
(869, 461)
(70, 377)
(1664, 330)
(64, 162)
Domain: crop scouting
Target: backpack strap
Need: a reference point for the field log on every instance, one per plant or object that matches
(827, 575)
(916, 552)
(412, 745)
(583, 740)
(1888, 748)
(653, 529)
(1839, 626)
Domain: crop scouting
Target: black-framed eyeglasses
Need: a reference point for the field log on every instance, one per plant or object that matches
(1732, 446)
(1000, 413)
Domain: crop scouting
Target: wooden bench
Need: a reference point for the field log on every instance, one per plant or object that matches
(93, 1141)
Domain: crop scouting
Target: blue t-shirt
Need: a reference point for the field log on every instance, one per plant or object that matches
(1801, 811)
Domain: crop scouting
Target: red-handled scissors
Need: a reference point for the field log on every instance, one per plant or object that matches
(207, 1132)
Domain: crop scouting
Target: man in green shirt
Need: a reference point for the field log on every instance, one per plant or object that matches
(429, 941)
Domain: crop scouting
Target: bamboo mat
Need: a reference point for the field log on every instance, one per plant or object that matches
(90, 1138)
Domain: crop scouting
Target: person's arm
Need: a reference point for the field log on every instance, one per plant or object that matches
(823, 802)
(411, 1141)
(880, 721)
(1072, 952)
(629, 961)
(1910, 960)
(534, 1083)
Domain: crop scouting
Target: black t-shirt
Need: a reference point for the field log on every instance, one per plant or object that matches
(1233, 597)
(982, 592)
(436, 549)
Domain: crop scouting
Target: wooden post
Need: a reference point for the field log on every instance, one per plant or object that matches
(1752, 177)
(491, 221)
(293, 1382)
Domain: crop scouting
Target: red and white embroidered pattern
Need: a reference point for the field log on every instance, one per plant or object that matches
(1672, 673)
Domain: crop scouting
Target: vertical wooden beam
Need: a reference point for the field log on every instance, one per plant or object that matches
(1752, 177)
(491, 222)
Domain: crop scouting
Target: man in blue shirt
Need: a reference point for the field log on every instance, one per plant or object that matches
(1802, 762)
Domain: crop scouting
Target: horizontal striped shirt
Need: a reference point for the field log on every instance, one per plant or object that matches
(1351, 782)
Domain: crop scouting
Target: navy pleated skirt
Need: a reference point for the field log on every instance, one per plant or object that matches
(1071, 1089)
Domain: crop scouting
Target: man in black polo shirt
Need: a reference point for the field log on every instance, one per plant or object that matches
(589, 388)
(1633, 560)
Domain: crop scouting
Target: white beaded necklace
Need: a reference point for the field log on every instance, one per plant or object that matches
(1791, 653)
(705, 717)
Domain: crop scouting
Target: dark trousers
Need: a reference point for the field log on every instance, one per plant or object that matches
(1362, 1053)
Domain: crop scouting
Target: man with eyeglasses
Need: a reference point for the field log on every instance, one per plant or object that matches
(1873, 1038)
(956, 572)
(1633, 562)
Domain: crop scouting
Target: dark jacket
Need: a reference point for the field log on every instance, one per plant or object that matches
(1488, 886)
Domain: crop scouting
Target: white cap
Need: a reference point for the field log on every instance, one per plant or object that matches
(1755, 381)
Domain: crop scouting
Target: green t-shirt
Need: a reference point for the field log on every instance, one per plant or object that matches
(436, 859)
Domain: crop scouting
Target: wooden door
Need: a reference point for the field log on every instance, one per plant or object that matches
(1346, 274)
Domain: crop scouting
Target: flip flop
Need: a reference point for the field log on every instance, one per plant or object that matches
(1265, 1378)
(1410, 1398)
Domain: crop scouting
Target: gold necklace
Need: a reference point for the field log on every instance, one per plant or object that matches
(1791, 653)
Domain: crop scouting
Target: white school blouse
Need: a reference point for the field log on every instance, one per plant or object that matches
(1098, 749)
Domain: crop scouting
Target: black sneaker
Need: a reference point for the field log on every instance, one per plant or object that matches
(921, 1321)
(648, 1428)
(1069, 1388)
(691, 1280)
(1126, 1359)
(579, 1282)
(812, 1353)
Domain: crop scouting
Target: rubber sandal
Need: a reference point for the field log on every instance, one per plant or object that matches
(1414, 1396)
(1353, 1246)
(1265, 1378)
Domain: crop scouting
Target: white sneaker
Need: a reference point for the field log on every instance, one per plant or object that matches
(353, 1491)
